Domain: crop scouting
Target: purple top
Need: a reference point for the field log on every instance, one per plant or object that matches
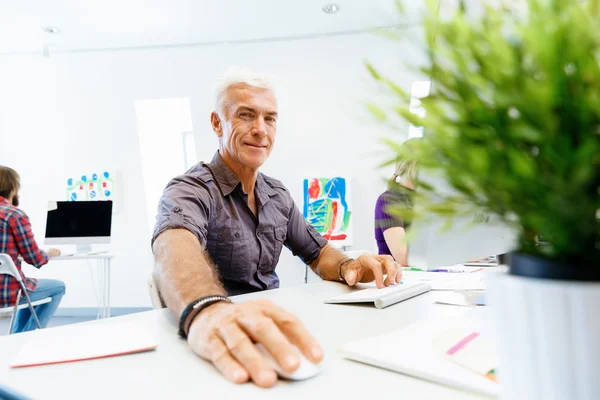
(385, 220)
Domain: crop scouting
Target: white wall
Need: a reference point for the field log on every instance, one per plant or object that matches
(160, 125)
(76, 112)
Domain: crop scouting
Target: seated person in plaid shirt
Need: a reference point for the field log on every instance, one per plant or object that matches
(17, 239)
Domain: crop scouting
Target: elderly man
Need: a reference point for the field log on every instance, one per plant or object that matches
(220, 230)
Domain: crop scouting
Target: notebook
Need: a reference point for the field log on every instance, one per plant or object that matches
(382, 297)
(469, 349)
(414, 354)
(84, 342)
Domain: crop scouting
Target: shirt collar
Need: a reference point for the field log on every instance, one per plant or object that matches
(4, 201)
(263, 190)
(228, 181)
(225, 177)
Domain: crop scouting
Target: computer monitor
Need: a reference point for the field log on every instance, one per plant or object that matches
(81, 223)
(472, 237)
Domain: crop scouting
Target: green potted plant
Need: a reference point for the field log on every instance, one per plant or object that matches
(513, 124)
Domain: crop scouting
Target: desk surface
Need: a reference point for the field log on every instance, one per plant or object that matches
(97, 256)
(173, 371)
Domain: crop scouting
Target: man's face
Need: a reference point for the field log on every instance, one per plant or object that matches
(248, 127)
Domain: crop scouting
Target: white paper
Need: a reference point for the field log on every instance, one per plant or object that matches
(452, 298)
(52, 205)
(478, 355)
(446, 280)
(416, 356)
(89, 341)
(467, 298)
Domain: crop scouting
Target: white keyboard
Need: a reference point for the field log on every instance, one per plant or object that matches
(383, 297)
(373, 294)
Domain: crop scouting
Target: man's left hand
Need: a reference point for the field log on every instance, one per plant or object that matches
(369, 267)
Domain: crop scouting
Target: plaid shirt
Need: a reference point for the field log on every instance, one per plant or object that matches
(17, 239)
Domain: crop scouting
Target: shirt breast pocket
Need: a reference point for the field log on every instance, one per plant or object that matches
(274, 240)
(232, 254)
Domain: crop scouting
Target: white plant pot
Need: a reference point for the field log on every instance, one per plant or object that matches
(548, 334)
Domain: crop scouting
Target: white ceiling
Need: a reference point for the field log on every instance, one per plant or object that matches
(109, 24)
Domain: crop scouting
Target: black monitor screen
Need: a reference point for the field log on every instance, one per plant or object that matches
(72, 219)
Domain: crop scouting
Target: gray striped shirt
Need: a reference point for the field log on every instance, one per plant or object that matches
(208, 201)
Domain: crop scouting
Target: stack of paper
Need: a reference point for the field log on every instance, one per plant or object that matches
(84, 342)
(446, 280)
(465, 298)
(416, 356)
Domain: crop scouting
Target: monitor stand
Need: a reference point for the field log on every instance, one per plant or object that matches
(83, 249)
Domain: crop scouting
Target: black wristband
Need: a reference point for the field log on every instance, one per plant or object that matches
(194, 309)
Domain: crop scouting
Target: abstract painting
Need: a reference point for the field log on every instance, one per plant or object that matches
(96, 186)
(326, 208)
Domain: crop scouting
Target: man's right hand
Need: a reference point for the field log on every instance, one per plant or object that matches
(53, 253)
(225, 334)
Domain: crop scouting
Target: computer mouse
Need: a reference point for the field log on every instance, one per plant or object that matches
(306, 370)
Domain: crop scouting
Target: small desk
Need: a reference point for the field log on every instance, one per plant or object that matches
(104, 261)
(172, 371)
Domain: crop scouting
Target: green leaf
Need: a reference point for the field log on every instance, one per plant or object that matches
(373, 71)
(526, 133)
(377, 112)
(398, 90)
(400, 6)
(409, 116)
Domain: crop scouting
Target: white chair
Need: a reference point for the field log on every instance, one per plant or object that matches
(155, 298)
(7, 266)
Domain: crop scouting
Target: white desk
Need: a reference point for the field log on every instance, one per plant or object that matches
(104, 260)
(173, 371)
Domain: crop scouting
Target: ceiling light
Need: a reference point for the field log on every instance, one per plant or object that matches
(51, 29)
(331, 8)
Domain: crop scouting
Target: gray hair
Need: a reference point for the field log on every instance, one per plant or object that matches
(239, 75)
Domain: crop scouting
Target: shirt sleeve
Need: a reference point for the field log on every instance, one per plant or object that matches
(302, 239)
(26, 244)
(383, 219)
(185, 204)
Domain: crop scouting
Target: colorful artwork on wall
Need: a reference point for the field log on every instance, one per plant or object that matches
(326, 208)
(96, 186)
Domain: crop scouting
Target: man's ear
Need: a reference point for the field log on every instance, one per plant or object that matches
(215, 121)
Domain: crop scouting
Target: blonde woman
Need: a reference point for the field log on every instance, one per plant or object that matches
(389, 228)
